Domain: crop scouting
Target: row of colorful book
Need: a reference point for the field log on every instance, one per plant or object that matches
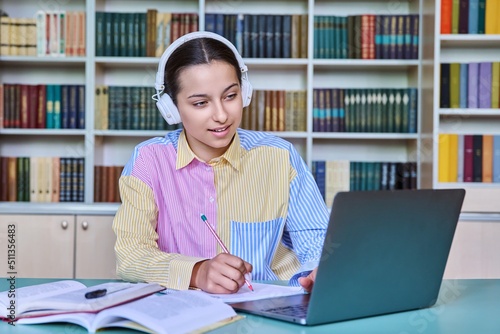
(127, 108)
(42, 106)
(470, 17)
(276, 110)
(470, 85)
(49, 33)
(42, 179)
(366, 36)
(333, 176)
(147, 34)
(262, 36)
(106, 183)
(469, 158)
(392, 110)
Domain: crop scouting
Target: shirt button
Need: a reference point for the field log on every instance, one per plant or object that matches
(211, 199)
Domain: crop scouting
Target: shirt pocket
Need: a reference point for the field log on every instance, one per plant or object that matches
(256, 243)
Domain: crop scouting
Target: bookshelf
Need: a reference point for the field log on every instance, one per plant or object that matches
(466, 118)
(114, 147)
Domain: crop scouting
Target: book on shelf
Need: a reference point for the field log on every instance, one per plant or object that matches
(470, 85)
(67, 296)
(344, 175)
(469, 17)
(469, 158)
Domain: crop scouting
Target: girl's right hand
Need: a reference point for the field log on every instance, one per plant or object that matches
(222, 274)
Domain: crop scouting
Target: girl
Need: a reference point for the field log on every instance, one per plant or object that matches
(254, 188)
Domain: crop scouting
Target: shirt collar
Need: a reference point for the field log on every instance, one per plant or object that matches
(185, 155)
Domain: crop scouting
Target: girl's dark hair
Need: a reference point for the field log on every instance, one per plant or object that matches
(196, 52)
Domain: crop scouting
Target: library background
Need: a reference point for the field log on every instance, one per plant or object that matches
(388, 94)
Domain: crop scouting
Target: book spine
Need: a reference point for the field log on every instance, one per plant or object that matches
(477, 159)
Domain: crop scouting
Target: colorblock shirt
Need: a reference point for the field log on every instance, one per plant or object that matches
(259, 196)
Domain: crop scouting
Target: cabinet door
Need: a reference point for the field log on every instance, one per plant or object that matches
(95, 241)
(475, 252)
(43, 245)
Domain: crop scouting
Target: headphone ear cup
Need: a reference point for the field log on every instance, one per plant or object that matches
(168, 109)
(246, 92)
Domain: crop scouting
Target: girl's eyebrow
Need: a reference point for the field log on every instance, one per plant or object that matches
(205, 95)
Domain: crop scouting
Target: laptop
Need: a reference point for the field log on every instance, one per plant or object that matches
(384, 252)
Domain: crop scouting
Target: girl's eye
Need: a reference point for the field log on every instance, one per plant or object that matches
(231, 96)
(200, 104)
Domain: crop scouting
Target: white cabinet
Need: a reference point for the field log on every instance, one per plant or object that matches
(44, 245)
(58, 246)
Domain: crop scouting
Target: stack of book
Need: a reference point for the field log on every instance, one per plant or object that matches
(469, 17)
(145, 307)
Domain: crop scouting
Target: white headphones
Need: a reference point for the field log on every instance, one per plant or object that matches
(164, 102)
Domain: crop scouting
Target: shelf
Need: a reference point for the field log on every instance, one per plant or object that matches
(471, 185)
(58, 208)
(469, 112)
(45, 61)
(42, 132)
(464, 40)
(365, 64)
(364, 135)
(130, 133)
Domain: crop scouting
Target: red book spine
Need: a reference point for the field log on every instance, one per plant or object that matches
(468, 158)
(446, 7)
(32, 106)
(41, 107)
(365, 36)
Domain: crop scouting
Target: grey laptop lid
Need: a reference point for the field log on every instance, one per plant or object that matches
(384, 252)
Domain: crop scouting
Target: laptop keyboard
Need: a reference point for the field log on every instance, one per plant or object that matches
(292, 310)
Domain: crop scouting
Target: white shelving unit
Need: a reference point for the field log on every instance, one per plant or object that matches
(464, 48)
(114, 147)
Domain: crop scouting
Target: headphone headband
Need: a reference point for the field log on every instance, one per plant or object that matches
(160, 75)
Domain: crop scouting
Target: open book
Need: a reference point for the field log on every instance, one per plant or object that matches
(173, 312)
(69, 296)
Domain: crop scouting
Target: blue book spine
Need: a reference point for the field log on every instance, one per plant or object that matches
(316, 37)
(65, 105)
(320, 176)
(412, 110)
(496, 158)
(378, 37)
(80, 106)
(210, 22)
(464, 70)
(49, 119)
(473, 16)
(57, 106)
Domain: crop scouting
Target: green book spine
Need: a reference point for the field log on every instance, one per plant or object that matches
(136, 108)
(481, 17)
(376, 176)
(363, 110)
(108, 33)
(454, 85)
(398, 111)
(122, 23)
(99, 34)
(128, 105)
(20, 179)
(391, 111)
(405, 112)
(143, 33)
(455, 13)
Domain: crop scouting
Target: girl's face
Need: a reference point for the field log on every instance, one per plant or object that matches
(210, 106)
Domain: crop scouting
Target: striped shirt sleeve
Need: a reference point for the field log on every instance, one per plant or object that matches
(138, 257)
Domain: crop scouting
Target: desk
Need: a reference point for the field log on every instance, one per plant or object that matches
(464, 306)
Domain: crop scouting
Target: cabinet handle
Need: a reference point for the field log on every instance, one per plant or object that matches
(85, 225)
(64, 224)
